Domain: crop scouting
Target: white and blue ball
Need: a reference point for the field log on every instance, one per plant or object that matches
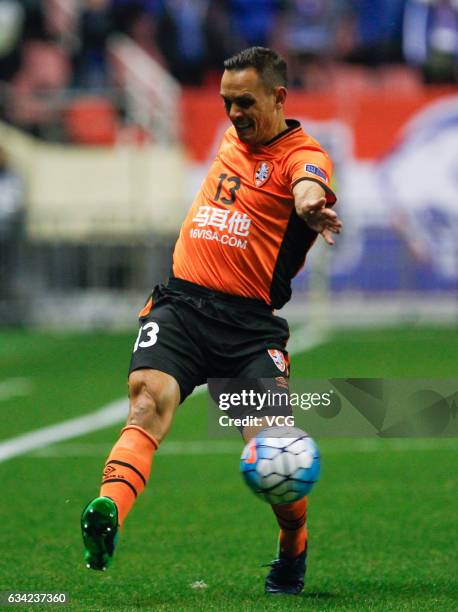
(280, 464)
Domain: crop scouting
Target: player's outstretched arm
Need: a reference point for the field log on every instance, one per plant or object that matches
(310, 203)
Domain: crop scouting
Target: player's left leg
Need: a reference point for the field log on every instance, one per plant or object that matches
(255, 351)
(288, 569)
(287, 573)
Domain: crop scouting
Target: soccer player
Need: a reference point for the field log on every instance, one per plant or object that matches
(265, 199)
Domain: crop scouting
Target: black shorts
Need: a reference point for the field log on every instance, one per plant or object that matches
(194, 333)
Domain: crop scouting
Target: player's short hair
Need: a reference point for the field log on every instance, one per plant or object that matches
(269, 64)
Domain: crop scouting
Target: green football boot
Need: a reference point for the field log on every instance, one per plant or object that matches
(100, 529)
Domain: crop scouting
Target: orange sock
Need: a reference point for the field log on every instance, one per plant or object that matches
(293, 533)
(128, 468)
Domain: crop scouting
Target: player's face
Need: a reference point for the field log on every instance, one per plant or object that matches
(256, 113)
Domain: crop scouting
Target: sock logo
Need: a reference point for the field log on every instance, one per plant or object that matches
(109, 469)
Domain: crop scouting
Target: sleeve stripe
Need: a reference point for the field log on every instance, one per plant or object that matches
(326, 187)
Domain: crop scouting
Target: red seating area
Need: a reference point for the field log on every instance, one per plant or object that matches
(91, 120)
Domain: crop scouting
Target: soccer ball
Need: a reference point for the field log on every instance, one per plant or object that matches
(280, 464)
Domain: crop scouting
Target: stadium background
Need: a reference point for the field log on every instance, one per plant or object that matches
(109, 118)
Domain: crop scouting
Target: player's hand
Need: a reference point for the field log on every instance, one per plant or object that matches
(321, 219)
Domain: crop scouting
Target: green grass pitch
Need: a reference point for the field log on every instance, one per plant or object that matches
(382, 520)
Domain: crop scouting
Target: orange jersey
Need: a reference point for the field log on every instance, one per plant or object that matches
(242, 234)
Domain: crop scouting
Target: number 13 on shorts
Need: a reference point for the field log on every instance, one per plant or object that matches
(151, 331)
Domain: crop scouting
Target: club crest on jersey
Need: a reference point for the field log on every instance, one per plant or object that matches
(278, 358)
(262, 173)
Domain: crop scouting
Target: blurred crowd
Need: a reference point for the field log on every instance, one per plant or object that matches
(52, 50)
(191, 38)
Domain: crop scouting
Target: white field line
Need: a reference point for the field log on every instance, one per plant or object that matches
(108, 415)
(15, 387)
(231, 447)
(116, 411)
(305, 338)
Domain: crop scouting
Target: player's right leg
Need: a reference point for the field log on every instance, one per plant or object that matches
(154, 397)
(166, 365)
